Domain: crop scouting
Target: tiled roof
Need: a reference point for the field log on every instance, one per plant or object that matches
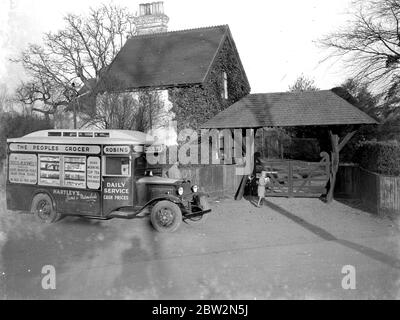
(167, 59)
(289, 109)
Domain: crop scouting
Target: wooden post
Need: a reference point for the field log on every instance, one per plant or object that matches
(262, 142)
(239, 194)
(334, 165)
(336, 148)
(290, 179)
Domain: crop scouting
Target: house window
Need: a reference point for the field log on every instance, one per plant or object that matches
(225, 84)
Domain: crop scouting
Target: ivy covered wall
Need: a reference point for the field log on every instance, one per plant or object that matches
(194, 105)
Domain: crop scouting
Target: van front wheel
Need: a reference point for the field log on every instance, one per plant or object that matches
(166, 216)
(43, 209)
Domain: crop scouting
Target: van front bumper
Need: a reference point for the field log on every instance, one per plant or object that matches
(193, 207)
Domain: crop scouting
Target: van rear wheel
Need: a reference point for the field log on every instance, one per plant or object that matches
(43, 209)
(166, 216)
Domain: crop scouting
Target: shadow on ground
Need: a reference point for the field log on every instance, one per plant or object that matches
(325, 235)
(356, 204)
(27, 249)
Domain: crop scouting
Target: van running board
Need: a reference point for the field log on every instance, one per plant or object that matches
(129, 214)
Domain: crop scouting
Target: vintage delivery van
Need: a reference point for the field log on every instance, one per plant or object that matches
(98, 175)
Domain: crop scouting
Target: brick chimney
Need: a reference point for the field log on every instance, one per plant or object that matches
(151, 18)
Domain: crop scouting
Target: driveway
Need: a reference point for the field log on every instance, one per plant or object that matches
(288, 248)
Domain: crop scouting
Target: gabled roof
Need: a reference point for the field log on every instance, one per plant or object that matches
(286, 109)
(168, 59)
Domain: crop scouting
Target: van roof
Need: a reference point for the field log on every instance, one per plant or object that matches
(86, 137)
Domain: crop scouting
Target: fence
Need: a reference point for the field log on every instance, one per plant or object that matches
(380, 193)
(294, 178)
(216, 180)
(347, 181)
(290, 178)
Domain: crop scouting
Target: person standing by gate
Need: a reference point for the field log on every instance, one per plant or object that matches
(263, 181)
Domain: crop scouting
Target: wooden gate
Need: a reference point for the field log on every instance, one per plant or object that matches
(294, 178)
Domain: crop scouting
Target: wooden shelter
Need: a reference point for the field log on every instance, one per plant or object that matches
(288, 109)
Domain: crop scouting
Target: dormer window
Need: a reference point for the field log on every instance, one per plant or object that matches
(225, 85)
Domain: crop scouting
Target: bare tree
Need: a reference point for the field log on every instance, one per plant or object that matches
(44, 96)
(303, 84)
(72, 57)
(153, 112)
(6, 101)
(139, 111)
(113, 111)
(3, 98)
(371, 43)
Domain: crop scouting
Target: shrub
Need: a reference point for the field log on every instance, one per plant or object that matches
(306, 149)
(380, 157)
(13, 125)
(349, 153)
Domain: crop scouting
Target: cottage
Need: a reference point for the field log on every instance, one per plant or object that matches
(196, 72)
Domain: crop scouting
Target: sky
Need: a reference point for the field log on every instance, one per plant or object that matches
(276, 40)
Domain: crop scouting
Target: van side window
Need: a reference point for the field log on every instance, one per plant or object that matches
(117, 166)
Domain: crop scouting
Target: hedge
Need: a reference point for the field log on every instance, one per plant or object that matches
(13, 125)
(380, 157)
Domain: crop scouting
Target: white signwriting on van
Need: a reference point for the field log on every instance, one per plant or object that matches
(93, 173)
(117, 149)
(23, 168)
(54, 148)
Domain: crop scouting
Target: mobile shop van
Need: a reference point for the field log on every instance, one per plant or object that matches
(98, 175)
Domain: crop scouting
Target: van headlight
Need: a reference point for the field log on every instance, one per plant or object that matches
(195, 188)
(180, 191)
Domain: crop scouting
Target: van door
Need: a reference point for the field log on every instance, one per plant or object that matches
(117, 183)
